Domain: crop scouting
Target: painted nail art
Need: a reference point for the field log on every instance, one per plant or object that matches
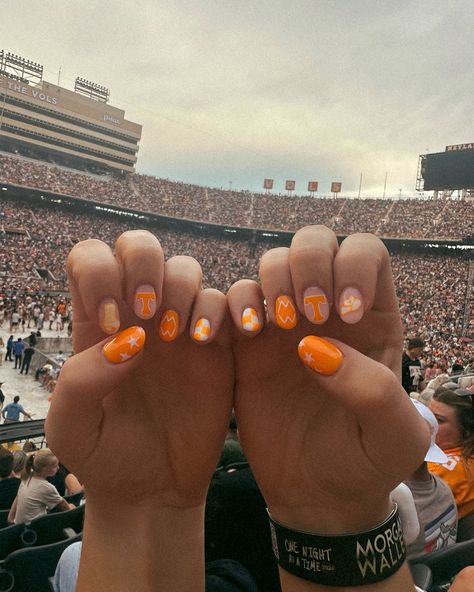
(202, 330)
(316, 305)
(145, 302)
(320, 355)
(109, 317)
(169, 325)
(125, 345)
(351, 309)
(250, 321)
(285, 312)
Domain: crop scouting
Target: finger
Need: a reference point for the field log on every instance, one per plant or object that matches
(245, 302)
(277, 288)
(312, 252)
(95, 284)
(363, 278)
(141, 259)
(390, 426)
(208, 315)
(181, 285)
(76, 408)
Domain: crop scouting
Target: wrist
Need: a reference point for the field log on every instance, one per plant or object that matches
(352, 516)
(357, 559)
(163, 546)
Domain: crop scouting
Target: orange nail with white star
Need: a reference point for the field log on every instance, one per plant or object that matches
(125, 345)
(320, 355)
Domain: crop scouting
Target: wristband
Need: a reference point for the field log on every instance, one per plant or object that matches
(352, 559)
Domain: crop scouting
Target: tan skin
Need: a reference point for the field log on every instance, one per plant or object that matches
(316, 452)
(449, 434)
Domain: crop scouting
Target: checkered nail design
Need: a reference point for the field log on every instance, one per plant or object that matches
(202, 330)
(250, 321)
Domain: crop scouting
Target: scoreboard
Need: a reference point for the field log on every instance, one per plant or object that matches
(453, 169)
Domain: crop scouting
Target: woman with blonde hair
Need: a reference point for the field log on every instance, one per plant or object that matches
(36, 495)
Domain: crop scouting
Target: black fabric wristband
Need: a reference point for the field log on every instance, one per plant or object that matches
(354, 559)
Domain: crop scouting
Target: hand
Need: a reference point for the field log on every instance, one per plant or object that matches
(172, 400)
(325, 450)
(143, 435)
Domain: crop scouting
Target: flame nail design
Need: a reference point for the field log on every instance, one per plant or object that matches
(285, 312)
(169, 325)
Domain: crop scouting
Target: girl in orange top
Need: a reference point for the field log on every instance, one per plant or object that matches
(455, 415)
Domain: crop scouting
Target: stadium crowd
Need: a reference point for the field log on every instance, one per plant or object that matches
(36, 239)
(433, 293)
(411, 218)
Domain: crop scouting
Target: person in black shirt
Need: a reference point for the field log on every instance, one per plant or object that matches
(412, 373)
(2, 397)
(8, 484)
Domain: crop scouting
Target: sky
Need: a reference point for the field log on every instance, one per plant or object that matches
(230, 92)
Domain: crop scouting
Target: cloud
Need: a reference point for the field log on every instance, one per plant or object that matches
(239, 90)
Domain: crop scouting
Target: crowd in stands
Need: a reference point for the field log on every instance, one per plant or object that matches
(411, 218)
(432, 289)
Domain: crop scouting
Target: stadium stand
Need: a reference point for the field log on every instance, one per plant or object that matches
(36, 237)
(411, 218)
(435, 287)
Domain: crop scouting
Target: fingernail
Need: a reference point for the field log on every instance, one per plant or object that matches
(320, 355)
(350, 306)
(109, 317)
(316, 305)
(169, 325)
(125, 345)
(202, 330)
(285, 312)
(250, 321)
(145, 302)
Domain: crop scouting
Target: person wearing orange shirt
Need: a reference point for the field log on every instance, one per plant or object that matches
(454, 410)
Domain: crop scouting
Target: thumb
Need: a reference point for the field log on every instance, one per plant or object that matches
(76, 407)
(393, 433)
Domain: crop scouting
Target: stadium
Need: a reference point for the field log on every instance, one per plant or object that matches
(68, 173)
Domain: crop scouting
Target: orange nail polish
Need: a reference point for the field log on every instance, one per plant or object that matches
(169, 325)
(250, 320)
(202, 330)
(125, 345)
(316, 306)
(320, 355)
(145, 302)
(285, 312)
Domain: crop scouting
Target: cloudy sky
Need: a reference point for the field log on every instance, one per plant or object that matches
(233, 91)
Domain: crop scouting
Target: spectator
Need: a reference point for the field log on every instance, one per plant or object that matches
(19, 460)
(455, 416)
(19, 349)
(412, 374)
(9, 483)
(27, 355)
(11, 413)
(35, 495)
(435, 504)
(9, 349)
